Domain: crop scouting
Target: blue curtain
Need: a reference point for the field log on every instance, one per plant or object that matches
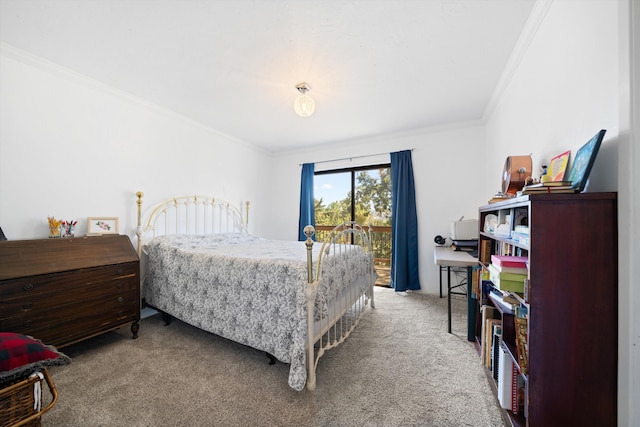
(404, 224)
(307, 215)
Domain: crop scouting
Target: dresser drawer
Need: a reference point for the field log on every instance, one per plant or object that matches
(31, 303)
(70, 281)
(63, 324)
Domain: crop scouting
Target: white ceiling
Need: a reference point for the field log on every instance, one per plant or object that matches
(375, 67)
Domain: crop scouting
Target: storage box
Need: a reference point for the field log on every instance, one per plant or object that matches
(507, 281)
(464, 230)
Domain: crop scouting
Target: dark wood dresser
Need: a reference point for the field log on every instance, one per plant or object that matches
(65, 290)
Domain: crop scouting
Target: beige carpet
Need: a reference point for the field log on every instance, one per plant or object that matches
(399, 368)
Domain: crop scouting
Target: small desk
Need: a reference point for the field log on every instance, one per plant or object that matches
(444, 256)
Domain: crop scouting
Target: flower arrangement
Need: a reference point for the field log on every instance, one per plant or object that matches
(58, 228)
(68, 228)
(54, 227)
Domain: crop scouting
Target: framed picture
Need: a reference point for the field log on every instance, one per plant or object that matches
(102, 225)
(583, 162)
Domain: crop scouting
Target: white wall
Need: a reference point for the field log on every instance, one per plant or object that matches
(447, 170)
(566, 88)
(72, 148)
(563, 92)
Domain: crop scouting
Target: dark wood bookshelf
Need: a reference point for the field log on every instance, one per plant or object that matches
(572, 303)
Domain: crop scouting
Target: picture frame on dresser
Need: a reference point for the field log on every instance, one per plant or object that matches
(102, 225)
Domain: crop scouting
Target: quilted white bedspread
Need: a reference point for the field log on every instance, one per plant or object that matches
(244, 288)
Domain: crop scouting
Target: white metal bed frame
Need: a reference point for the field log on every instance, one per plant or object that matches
(207, 215)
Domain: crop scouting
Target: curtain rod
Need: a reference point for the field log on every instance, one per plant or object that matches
(351, 158)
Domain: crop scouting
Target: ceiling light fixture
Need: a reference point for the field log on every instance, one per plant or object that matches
(304, 105)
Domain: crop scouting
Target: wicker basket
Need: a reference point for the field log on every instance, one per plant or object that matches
(17, 402)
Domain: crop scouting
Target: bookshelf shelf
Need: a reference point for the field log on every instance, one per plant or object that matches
(569, 301)
(507, 240)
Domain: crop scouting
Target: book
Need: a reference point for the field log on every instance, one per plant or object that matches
(522, 344)
(505, 379)
(547, 190)
(507, 281)
(485, 251)
(548, 187)
(558, 166)
(509, 261)
(517, 390)
(485, 286)
(508, 285)
(504, 306)
(522, 238)
(583, 161)
(522, 229)
(511, 298)
(500, 197)
(473, 243)
(489, 340)
(465, 245)
(486, 314)
(513, 270)
(495, 350)
(549, 184)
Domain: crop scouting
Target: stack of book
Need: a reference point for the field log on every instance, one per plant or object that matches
(486, 340)
(520, 234)
(470, 246)
(504, 299)
(548, 188)
(508, 273)
(510, 264)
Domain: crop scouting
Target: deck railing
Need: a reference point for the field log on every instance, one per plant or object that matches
(380, 241)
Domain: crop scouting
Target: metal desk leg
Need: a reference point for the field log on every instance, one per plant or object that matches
(440, 274)
(449, 295)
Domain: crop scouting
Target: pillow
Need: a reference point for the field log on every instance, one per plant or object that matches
(21, 354)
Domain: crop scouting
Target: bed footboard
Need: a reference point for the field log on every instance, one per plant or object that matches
(340, 286)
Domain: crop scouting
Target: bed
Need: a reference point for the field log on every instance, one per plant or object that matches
(292, 300)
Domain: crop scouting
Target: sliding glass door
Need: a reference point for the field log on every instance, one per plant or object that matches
(360, 194)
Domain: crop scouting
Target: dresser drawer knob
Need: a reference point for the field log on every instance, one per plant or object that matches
(27, 306)
(27, 323)
(120, 299)
(27, 287)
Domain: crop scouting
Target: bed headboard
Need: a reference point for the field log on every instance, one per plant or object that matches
(190, 215)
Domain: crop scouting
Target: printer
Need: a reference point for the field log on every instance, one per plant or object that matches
(464, 230)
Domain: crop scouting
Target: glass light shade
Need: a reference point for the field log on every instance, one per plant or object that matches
(304, 105)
